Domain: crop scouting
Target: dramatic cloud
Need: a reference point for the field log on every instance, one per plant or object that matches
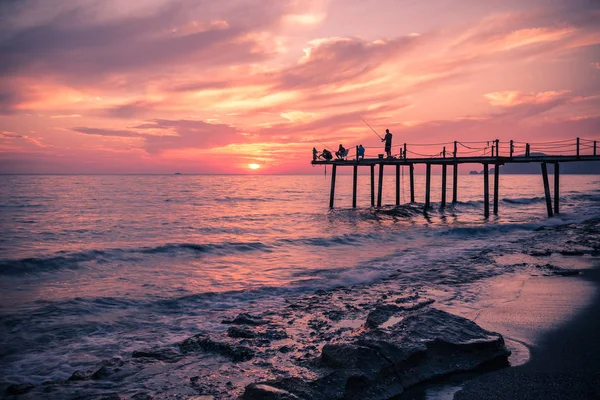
(146, 86)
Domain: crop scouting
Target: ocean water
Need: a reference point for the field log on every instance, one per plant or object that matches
(93, 267)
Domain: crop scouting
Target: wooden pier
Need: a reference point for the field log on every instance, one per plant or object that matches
(580, 149)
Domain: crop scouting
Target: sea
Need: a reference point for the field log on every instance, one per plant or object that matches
(98, 266)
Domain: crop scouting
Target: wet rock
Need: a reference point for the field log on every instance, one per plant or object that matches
(246, 319)
(274, 334)
(540, 253)
(571, 252)
(550, 270)
(80, 375)
(16, 390)
(165, 354)
(285, 349)
(203, 343)
(417, 306)
(107, 368)
(236, 332)
(261, 391)
(141, 396)
(382, 363)
(381, 314)
(102, 371)
(112, 396)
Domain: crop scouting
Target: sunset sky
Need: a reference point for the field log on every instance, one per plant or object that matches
(207, 86)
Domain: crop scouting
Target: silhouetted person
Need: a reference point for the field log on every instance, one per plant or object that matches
(388, 143)
(326, 154)
(360, 153)
(341, 153)
(315, 154)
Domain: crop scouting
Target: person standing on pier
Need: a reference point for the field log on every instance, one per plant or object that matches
(315, 154)
(388, 143)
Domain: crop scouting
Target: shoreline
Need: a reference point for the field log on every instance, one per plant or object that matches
(565, 359)
(434, 330)
(524, 308)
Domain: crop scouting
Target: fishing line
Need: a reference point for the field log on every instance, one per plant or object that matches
(374, 131)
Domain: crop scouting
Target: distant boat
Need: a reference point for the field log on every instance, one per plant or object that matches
(177, 173)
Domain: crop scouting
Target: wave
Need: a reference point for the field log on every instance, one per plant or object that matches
(206, 248)
(73, 261)
(34, 265)
(524, 200)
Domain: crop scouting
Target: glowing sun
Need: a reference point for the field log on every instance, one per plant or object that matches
(253, 166)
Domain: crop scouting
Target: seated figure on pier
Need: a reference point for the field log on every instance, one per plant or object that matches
(341, 153)
(326, 154)
(360, 154)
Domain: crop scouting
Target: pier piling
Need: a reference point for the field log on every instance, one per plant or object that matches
(354, 182)
(412, 183)
(556, 188)
(332, 193)
(444, 167)
(373, 185)
(486, 191)
(380, 187)
(427, 186)
(397, 184)
(496, 182)
(455, 184)
(547, 188)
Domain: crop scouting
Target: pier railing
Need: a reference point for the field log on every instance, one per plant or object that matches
(512, 148)
(454, 153)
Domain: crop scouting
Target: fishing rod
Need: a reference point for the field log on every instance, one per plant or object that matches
(325, 145)
(374, 131)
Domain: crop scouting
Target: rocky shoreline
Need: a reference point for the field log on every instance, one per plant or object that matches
(357, 342)
(332, 344)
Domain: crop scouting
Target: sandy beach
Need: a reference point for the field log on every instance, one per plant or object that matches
(559, 320)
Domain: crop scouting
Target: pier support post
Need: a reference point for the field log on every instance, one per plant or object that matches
(556, 188)
(332, 193)
(496, 182)
(547, 189)
(455, 184)
(373, 185)
(486, 191)
(412, 183)
(397, 184)
(354, 182)
(380, 187)
(444, 167)
(427, 186)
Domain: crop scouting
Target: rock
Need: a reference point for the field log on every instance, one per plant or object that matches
(246, 319)
(285, 349)
(380, 314)
(236, 332)
(381, 363)
(261, 391)
(141, 396)
(202, 342)
(571, 252)
(107, 368)
(274, 334)
(16, 390)
(80, 375)
(165, 354)
(554, 270)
